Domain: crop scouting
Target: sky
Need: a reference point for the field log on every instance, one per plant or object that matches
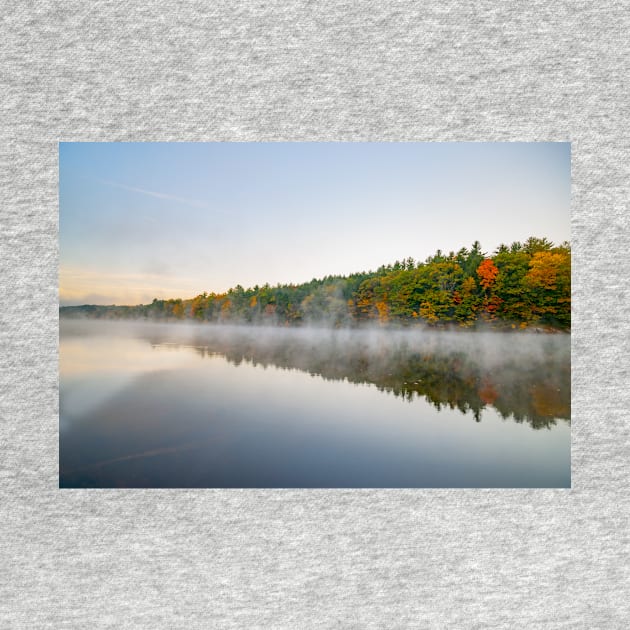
(139, 221)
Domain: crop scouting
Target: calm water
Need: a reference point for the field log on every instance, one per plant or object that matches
(164, 405)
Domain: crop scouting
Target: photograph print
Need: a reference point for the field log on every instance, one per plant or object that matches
(314, 315)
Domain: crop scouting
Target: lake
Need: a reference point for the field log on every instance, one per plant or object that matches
(207, 406)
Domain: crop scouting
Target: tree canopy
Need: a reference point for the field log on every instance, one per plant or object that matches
(518, 286)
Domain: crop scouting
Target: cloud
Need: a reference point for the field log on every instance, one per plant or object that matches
(194, 203)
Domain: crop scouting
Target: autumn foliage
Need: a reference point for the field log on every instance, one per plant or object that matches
(487, 273)
(518, 286)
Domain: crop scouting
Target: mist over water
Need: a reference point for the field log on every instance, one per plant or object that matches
(170, 405)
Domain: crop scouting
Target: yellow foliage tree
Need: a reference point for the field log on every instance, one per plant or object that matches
(383, 312)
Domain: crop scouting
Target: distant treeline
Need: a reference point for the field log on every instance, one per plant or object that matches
(520, 285)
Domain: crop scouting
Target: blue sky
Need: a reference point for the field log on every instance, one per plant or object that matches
(145, 220)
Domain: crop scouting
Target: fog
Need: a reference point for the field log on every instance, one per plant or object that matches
(523, 375)
(379, 346)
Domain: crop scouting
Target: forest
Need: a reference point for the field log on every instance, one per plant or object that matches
(522, 285)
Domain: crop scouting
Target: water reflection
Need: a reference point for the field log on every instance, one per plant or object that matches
(199, 406)
(524, 377)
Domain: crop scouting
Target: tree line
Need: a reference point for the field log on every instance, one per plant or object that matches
(522, 285)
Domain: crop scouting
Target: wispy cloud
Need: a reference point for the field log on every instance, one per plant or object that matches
(195, 203)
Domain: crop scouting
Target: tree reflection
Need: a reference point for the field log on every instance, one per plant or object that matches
(533, 388)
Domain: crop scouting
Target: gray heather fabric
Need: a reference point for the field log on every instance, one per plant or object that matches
(108, 71)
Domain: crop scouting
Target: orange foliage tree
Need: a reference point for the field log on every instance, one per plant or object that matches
(487, 273)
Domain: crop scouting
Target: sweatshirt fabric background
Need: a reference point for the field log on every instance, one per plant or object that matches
(328, 71)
